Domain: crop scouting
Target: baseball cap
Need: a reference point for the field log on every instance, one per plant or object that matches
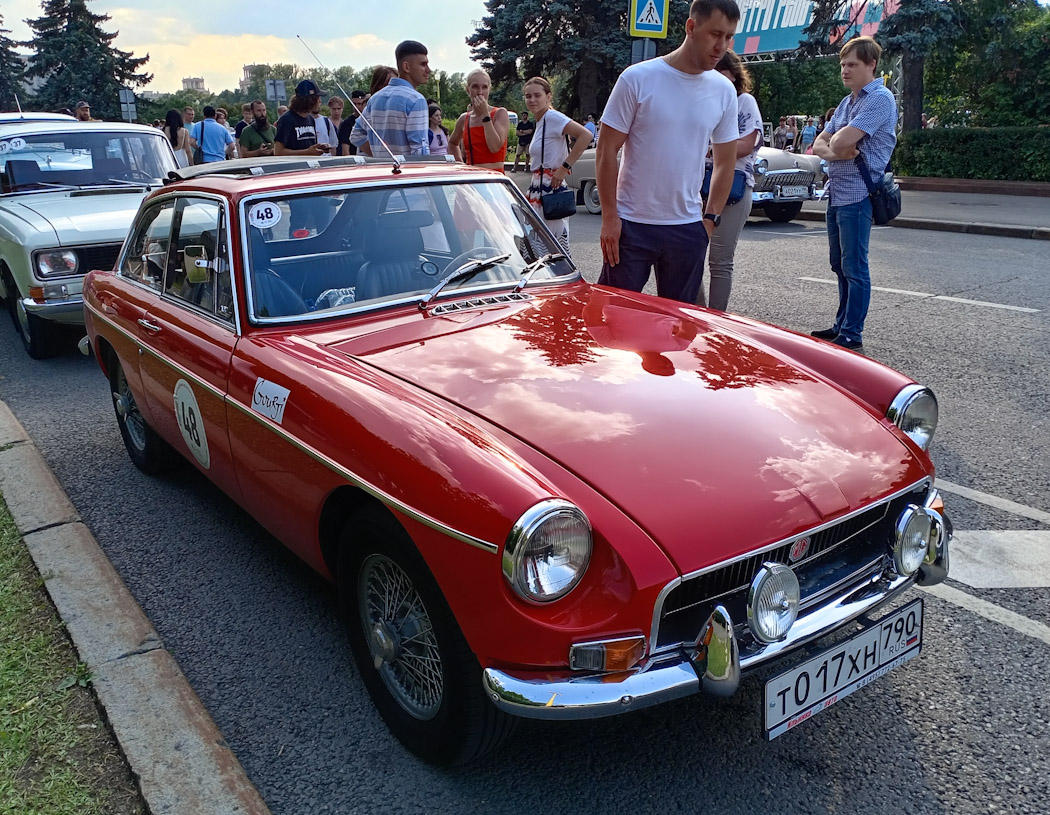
(308, 88)
(82, 105)
(358, 94)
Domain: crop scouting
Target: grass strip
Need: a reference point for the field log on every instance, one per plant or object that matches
(57, 756)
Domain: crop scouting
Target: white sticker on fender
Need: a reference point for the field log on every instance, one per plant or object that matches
(269, 399)
(188, 416)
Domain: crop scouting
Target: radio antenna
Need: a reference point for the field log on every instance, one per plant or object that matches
(361, 115)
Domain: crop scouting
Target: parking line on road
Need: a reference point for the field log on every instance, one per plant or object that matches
(994, 501)
(990, 611)
(931, 296)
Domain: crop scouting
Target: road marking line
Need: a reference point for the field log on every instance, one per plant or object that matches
(990, 611)
(1001, 559)
(994, 501)
(932, 296)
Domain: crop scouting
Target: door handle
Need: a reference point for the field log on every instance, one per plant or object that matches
(153, 328)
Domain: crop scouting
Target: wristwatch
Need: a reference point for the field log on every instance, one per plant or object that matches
(713, 217)
(486, 118)
(567, 166)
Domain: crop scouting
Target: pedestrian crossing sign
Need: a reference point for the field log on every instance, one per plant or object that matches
(649, 18)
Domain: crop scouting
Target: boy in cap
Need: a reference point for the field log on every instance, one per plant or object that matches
(296, 129)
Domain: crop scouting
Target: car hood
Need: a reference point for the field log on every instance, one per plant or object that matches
(713, 443)
(96, 217)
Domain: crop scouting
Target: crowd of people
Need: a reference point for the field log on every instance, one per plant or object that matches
(654, 217)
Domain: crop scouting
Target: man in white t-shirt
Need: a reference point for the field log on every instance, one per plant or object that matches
(663, 112)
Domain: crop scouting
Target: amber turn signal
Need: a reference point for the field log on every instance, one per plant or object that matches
(620, 654)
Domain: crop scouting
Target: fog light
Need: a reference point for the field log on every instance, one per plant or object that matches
(772, 602)
(912, 541)
(607, 655)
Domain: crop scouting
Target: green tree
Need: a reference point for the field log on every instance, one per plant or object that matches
(789, 87)
(77, 59)
(11, 69)
(584, 42)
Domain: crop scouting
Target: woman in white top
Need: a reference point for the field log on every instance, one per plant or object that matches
(551, 158)
(734, 216)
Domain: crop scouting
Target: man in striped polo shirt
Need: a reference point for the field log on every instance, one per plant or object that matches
(865, 123)
(398, 112)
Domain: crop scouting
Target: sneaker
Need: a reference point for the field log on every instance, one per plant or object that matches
(845, 342)
(824, 334)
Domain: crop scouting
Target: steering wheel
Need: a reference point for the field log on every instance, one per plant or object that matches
(478, 253)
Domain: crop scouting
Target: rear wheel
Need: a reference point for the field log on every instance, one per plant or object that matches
(148, 451)
(782, 213)
(591, 199)
(41, 338)
(411, 654)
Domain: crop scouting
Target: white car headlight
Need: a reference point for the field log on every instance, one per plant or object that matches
(762, 166)
(912, 539)
(772, 602)
(547, 551)
(56, 262)
(914, 410)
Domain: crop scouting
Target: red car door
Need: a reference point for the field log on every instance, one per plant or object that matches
(191, 336)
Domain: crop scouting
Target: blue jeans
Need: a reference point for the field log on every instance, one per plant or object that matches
(849, 228)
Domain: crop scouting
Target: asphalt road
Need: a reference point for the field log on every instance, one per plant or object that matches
(961, 729)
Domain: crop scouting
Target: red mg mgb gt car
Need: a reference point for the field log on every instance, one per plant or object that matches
(538, 497)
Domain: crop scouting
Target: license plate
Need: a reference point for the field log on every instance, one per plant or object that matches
(795, 191)
(820, 682)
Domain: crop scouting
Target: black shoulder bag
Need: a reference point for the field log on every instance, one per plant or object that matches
(885, 195)
(198, 151)
(560, 203)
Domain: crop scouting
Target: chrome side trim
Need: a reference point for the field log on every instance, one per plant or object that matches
(666, 590)
(316, 455)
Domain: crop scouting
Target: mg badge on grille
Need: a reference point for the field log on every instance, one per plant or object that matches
(798, 550)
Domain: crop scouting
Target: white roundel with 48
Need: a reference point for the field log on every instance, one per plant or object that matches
(188, 416)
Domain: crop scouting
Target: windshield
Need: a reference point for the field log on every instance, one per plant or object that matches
(317, 254)
(82, 158)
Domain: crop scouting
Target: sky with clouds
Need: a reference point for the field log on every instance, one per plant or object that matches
(216, 39)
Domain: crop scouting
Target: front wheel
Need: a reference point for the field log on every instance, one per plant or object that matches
(148, 451)
(40, 338)
(783, 213)
(412, 656)
(591, 199)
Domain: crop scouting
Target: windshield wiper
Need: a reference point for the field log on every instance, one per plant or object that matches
(468, 269)
(136, 184)
(528, 271)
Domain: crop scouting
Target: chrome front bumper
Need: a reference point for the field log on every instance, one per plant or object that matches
(713, 664)
(68, 310)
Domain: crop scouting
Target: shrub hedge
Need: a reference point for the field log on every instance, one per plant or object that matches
(994, 153)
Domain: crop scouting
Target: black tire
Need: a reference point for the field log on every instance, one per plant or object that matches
(446, 718)
(783, 213)
(148, 451)
(40, 338)
(590, 197)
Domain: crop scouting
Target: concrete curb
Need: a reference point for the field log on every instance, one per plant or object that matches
(972, 228)
(173, 747)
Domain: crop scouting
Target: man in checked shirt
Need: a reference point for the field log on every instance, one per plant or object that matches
(864, 123)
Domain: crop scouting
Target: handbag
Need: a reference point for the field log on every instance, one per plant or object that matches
(198, 151)
(736, 192)
(559, 203)
(885, 195)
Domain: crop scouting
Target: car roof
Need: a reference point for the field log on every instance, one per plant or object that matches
(249, 176)
(34, 116)
(66, 124)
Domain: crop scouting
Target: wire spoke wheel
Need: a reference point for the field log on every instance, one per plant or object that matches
(128, 411)
(400, 636)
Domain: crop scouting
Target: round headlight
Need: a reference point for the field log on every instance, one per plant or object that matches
(762, 166)
(56, 262)
(547, 551)
(914, 410)
(912, 541)
(772, 602)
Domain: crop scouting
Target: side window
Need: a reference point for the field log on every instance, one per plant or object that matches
(147, 254)
(200, 274)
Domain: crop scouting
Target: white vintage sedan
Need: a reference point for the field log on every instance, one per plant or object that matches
(68, 193)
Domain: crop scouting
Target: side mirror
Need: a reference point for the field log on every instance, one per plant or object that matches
(195, 262)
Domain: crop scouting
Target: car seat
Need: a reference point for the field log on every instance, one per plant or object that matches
(271, 294)
(392, 263)
(23, 172)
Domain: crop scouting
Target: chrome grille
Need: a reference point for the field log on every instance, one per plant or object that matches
(782, 178)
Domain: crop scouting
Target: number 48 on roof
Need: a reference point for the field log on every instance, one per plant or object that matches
(648, 18)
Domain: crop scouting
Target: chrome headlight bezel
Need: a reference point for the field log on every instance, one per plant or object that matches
(762, 166)
(518, 551)
(785, 581)
(906, 409)
(45, 266)
(914, 520)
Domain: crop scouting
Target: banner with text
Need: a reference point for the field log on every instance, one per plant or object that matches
(777, 25)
